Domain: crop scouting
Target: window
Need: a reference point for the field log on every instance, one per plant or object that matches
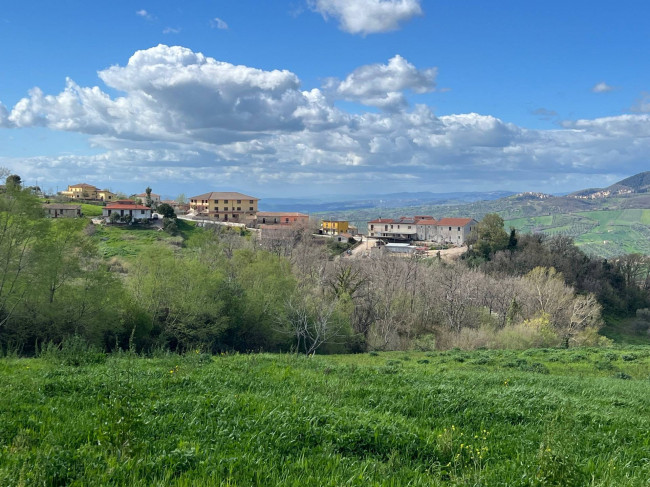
(450, 229)
(286, 220)
(251, 208)
(459, 229)
(225, 201)
(372, 227)
(409, 227)
(238, 201)
(239, 208)
(142, 212)
(251, 202)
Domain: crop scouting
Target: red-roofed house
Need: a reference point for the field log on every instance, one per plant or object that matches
(127, 207)
(281, 218)
(423, 228)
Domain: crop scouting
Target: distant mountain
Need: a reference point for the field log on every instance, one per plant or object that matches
(333, 203)
(639, 183)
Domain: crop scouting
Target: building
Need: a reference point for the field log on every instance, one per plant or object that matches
(281, 218)
(334, 227)
(455, 230)
(423, 228)
(83, 191)
(62, 211)
(142, 198)
(225, 207)
(125, 208)
(400, 229)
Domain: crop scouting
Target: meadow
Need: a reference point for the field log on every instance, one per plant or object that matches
(490, 417)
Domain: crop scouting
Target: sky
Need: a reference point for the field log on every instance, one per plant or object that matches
(304, 98)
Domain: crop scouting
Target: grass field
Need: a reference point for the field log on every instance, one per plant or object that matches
(541, 417)
(128, 241)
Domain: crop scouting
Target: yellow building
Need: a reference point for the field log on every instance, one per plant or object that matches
(225, 207)
(335, 227)
(83, 191)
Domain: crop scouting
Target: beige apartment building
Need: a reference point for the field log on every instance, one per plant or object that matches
(225, 207)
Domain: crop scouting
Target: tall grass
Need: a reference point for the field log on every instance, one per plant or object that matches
(540, 417)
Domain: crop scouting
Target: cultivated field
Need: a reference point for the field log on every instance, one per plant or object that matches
(541, 417)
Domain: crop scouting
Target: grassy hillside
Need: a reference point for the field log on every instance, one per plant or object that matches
(606, 233)
(606, 227)
(541, 417)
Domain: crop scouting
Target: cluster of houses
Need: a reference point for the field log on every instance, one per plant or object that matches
(242, 209)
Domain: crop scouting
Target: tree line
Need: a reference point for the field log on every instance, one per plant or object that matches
(223, 291)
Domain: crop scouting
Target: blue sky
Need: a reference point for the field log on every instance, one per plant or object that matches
(310, 97)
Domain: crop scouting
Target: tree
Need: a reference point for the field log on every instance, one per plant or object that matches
(181, 199)
(13, 180)
(148, 201)
(21, 225)
(166, 210)
(490, 236)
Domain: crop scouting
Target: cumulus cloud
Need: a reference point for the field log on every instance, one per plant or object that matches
(602, 87)
(382, 85)
(368, 16)
(217, 23)
(193, 118)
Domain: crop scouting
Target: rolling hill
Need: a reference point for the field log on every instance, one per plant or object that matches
(606, 222)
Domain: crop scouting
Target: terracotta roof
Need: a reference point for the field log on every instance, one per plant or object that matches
(83, 185)
(121, 206)
(454, 222)
(216, 195)
(279, 213)
(124, 202)
(428, 221)
(144, 195)
(382, 220)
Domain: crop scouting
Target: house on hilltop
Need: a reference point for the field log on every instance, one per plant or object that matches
(83, 191)
(225, 207)
(124, 208)
(142, 198)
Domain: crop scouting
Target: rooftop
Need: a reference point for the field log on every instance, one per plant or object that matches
(220, 195)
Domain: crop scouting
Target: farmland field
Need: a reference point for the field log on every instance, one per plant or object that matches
(607, 233)
(539, 417)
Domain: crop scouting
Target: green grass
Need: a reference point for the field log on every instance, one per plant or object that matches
(128, 241)
(540, 417)
(608, 233)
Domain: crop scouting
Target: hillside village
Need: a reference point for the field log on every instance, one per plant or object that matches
(402, 235)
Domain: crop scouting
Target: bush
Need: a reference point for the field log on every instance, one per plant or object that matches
(74, 351)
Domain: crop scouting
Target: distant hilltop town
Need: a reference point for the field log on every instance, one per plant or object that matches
(238, 209)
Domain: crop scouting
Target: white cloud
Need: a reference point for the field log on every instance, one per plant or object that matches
(144, 14)
(382, 85)
(193, 118)
(602, 87)
(217, 23)
(171, 30)
(368, 16)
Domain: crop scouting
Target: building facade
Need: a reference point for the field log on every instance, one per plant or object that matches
(125, 208)
(83, 191)
(422, 228)
(54, 210)
(334, 227)
(281, 218)
(225, 207)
